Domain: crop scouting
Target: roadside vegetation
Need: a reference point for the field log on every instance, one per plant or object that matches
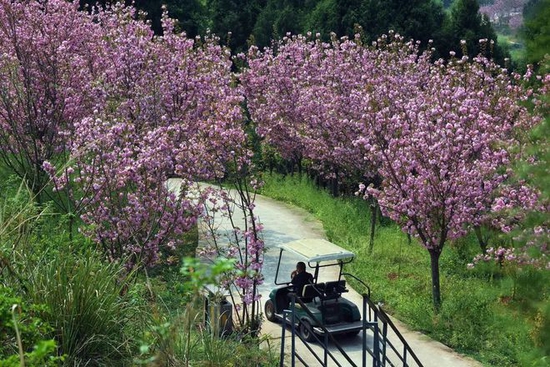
(61, 304)
(499, 315)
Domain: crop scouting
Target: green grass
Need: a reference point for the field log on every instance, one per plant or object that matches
(497, 316)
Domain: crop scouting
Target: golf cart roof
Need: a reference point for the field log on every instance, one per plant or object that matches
(317, 250)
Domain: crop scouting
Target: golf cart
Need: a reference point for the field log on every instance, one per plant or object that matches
(323, 300)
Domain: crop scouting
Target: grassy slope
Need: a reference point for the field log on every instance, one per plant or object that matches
(479, 317)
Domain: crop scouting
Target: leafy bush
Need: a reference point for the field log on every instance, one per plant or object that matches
(20, 327)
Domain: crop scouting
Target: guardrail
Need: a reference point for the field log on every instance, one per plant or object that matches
(327, 337)
(383, 352)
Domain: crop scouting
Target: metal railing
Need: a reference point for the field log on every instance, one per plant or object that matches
(384, 352)
(290, 315)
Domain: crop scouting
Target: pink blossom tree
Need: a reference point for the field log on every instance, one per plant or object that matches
(233, 231)
(300, 98)
(442, 152)
(164, 106)
(45, 60)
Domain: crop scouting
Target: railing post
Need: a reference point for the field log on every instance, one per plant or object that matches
(282, 358)
(376, 347)
(326, 350)
(293, 328)
(364, 357)
(385, 335)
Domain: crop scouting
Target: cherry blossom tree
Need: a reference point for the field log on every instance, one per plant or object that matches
(300, 98)
(233, 231)
(442, 152)
(164, 106)
(45, 60)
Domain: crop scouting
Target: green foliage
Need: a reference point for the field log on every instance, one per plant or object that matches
(323, 18)
(276, 19)
(536, 32)
(191, 16)
(418, 19)
(200, 274)
(237, 17)
(499, 315)
(20, 326)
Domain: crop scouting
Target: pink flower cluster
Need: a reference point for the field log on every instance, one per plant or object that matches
(535, 253)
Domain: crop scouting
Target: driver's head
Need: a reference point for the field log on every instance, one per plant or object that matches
(301, 266)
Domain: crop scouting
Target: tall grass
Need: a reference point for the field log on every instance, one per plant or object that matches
(86, 307)
(494, 314)
(79, 297)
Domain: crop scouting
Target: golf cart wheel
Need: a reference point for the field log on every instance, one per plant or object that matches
(270, 310)
(306, 331)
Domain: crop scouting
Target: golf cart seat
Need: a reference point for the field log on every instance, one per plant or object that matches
(334, 289)
(282, 299)
(311, 291)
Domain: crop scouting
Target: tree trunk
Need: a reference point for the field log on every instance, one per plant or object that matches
(334, 187)
(374, 212)
(482, 242)
(436, 290)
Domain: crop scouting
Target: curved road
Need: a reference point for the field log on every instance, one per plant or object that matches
(284, 223)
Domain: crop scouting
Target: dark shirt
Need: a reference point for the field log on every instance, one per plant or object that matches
(300, 280)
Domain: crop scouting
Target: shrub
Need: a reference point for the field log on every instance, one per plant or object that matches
(89, 313)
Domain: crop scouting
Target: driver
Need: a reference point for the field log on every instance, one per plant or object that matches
(300, 277)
